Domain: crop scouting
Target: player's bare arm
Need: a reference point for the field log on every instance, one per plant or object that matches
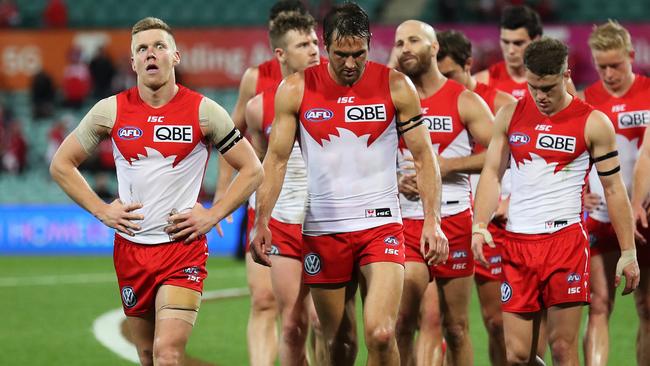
(601, 141)
(246, 92)
(254, 115)
(287, 103)
(477, 118)
(433, 243)
(75, 149)
(641, 185)
(501, 99)
(482, 76)
(489, 184)
(219, 129)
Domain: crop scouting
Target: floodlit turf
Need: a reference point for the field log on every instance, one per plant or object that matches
(50, 303)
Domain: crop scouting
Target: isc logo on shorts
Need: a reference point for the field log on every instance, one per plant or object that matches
(438, 123)
(128, 297)
(633, 119)
(365, 113)
(547, 141)
(167, 133)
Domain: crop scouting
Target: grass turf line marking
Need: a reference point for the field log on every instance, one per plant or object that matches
(108, 332)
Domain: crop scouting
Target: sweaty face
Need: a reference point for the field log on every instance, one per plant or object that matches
(413, 51)
(451, 70)
(513, 44)
(347, 58)
(301, 50)
(547, 91)
(614, 68)
(154, 56)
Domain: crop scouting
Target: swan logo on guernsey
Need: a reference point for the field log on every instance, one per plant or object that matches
(518, 139)
(318, 115)
(129, 133)
(633, 119)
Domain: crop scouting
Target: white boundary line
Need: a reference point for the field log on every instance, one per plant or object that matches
(107, 327)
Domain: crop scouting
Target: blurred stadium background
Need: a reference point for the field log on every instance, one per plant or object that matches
(57, 57)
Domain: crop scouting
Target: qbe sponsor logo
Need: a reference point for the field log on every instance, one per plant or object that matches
(312, 264)
(169, 133)
(128, 297)
(365, 113)
(506, 292)
(129, 133)
(633, 119)
(518, 139)
(438, 123)
(547, 141)
(318, 115)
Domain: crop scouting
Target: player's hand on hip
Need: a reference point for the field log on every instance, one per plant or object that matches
(261, 244)
(191, 224)
(433, 244)
(121, 217)
(628, 267)
(591, 201)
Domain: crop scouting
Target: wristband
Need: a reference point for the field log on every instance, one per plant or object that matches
(481, 228)
(627, 256)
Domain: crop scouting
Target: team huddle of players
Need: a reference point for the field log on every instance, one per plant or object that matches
(410, 182)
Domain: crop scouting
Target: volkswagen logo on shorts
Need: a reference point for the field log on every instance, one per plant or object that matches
(274, 250)
(506, 292)
(128, 297)
(312, 264)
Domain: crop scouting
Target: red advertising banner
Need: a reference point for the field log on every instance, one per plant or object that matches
(217, 57)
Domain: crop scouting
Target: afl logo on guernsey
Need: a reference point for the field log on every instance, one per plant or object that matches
(518, 139)
(318, 115)
(129, 133)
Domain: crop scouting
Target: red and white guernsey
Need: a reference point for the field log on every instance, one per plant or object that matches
(488, 94)
(269, 75)
(348, 137)
(500, 79)
(160, 158)
(450, 139)
(630, 115)
(550, 163)
(290, 207)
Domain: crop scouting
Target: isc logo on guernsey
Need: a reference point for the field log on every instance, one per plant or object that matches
(318, 115)
(129, 133)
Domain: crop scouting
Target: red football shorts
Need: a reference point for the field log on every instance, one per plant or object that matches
(250, 222)
(286, 239)
(493, 255)
(333, 258)
(457, 229)
(542, 270)
(141, 269)
(602, 239)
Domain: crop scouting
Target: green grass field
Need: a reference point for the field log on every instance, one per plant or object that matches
(50, 303)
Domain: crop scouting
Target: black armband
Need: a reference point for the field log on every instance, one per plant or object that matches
(610, 172)
(609, 155)
(414, 122)
(229, 141)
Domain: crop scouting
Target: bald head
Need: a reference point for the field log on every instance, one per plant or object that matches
(415, 47)
(416, 27)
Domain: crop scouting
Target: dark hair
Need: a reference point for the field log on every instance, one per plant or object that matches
(285, 22)
(520, 16)
(348, 20)
(455, 45)
(546, 56)
(283, 6)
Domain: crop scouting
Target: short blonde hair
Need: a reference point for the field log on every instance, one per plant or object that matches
(610, 36)
(153, 23)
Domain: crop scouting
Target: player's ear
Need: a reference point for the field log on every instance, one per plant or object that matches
(280, 54)
(632, 55)
(132, 63)
(567, 74)
(435, 47)
(468, 64)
